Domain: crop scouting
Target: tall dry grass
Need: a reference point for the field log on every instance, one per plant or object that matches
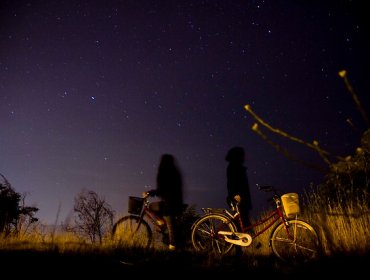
(342, 225)
(342, 221)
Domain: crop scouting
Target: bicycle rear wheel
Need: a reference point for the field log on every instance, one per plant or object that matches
(205, 237)
(296, 244)
(131, 231)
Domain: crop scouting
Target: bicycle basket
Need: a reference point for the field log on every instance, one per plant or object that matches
(135, 204)
(290, 204)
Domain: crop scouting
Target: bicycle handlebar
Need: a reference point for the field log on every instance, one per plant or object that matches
(264, 188)
(145, 195)
(268, 188)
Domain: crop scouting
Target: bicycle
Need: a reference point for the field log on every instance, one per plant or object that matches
(136, 229)
(292, 240)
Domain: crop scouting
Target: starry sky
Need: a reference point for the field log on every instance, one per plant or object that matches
(92, 93)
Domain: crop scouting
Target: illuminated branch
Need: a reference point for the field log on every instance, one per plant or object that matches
(343, 74)
(315, 146)
(284, 151)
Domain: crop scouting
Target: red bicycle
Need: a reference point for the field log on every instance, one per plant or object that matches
(292, 240)
(144, 220)
(136, 229)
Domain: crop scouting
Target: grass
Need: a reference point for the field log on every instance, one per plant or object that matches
(343, 230)
(343, 226)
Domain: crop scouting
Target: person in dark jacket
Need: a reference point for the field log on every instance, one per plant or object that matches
(169, 189)
(237, 183)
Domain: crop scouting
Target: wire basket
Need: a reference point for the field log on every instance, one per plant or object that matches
(135, 204)
(291, 204)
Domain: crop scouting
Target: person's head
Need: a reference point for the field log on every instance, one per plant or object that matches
(235, 155)
(167, 159)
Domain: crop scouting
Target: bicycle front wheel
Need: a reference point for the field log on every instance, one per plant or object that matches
(296, 243)
(132, 231)
(205, 237)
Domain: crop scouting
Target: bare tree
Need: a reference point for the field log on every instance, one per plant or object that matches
(350, 174)
(325, 155)
(94, 216)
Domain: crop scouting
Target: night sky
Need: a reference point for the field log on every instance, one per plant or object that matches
(92, 93)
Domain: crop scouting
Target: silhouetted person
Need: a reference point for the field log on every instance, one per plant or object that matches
(169, 189)
(237, 183)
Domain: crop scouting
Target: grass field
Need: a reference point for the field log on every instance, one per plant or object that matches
(343, 231)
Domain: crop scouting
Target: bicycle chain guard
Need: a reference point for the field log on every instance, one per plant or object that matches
(237, 238)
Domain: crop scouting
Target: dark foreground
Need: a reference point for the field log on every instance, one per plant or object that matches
(169, 265)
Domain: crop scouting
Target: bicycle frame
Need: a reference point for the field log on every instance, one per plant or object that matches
(273, 216)
(146, 224)
(152, 217)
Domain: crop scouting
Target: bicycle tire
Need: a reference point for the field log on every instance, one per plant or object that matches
(204, 235)
(302, 245)
(126, 233)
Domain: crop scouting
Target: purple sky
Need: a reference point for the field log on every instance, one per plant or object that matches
(92, 93)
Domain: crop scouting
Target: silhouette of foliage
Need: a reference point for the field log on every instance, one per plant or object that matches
(13, 212)
(350, 176)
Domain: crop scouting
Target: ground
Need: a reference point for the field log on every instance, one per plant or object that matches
(41, 264)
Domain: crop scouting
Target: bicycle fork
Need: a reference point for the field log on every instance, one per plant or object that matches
(289, 233)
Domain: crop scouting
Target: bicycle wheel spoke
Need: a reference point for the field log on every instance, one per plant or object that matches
(306, 248)
(298, 243)
(205, 237)
(129, 232)
(204, 229)
(281, 239)
(219, 246)
(294, 243)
